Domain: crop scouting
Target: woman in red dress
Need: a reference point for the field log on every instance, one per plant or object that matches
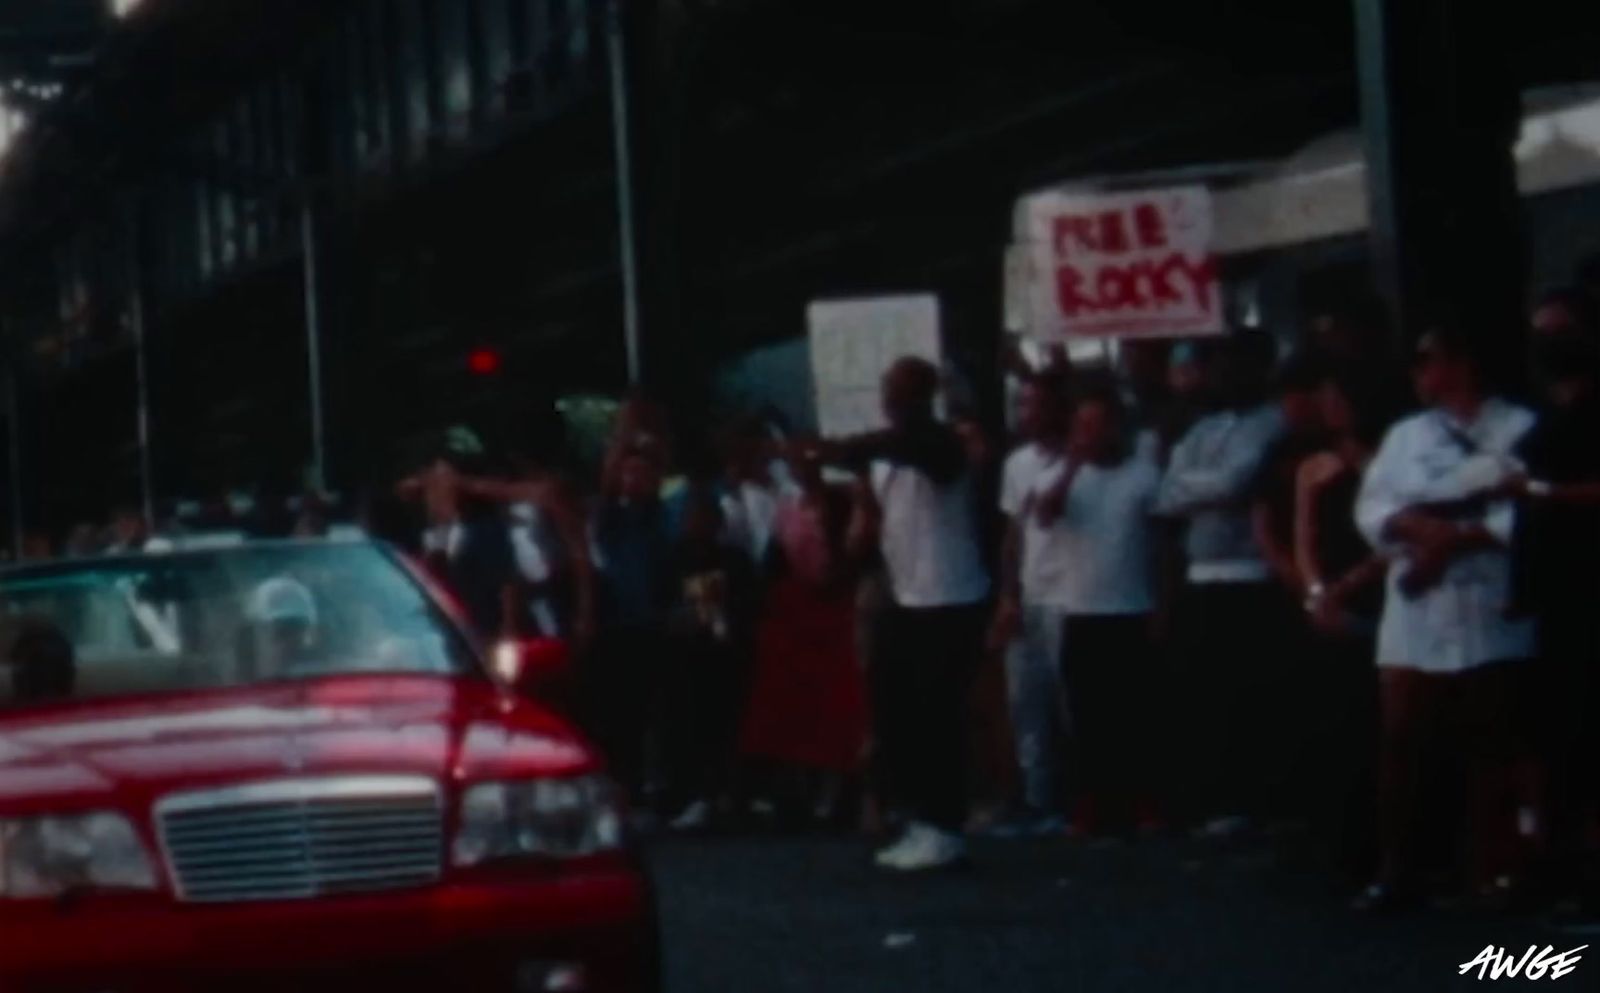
(808, 708)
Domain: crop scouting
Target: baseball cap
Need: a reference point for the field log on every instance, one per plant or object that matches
(281, 600)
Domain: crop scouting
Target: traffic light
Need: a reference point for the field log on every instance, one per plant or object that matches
(483, 361)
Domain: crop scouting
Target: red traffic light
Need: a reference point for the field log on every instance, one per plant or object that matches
(483, 361)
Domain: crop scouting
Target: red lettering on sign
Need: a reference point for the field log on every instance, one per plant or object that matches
(1074, 232)
(1203, 277)
(1113, 232)
(1146, 284)
(1161, 285)
(1150, 226)
(1069, 292)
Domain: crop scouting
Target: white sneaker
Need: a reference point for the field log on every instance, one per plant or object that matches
(1222, 828)
(924, 848)
(694, 817)
(891, 854)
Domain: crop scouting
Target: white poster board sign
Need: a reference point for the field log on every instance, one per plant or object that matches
(853, 342)
(1124, 265)
(1018, 283)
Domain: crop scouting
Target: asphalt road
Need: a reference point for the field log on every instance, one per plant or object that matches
(774, 915)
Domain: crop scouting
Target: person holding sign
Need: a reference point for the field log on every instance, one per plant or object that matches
(930, 639)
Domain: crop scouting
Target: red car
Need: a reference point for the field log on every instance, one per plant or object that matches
(287, 765)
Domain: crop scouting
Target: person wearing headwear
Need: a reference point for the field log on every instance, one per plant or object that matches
(281, 636)
(1172, 414)
(466, 543)
(1453, 666)
(555, 572)
(1228, 666)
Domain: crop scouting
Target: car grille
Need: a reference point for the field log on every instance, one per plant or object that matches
(301, 839)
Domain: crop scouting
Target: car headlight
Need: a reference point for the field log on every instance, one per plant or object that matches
(48, 856)
(552, 818)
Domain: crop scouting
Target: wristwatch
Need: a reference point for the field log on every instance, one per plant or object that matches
(1538, 488)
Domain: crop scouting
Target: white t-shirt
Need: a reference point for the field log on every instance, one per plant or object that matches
(1044, 561)
(1096, 558)
(533, 563)
(929, 538)
(1107, 537)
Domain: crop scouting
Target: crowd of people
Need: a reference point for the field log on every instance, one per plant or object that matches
(1229, 583)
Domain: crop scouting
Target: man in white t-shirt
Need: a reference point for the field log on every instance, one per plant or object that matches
(1098, 505)
(930, 638)
(1030, 615)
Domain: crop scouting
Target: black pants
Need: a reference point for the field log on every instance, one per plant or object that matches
(702, 700)
(619, 700)
(1343, 716)
(1567, 738)
(922, 669)
(1232, 684)
(1110, 674)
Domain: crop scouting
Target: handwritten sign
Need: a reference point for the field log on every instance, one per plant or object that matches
(853, 342)
(1124, 264)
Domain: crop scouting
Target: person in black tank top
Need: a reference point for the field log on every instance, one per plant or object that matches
(1344, 579)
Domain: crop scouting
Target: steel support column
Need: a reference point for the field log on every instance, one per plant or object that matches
(311, 287)
(19, 531)
(1440, 111)
(141, 368)
(627, 235)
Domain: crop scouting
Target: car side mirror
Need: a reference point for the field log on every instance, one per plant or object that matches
(532, 666)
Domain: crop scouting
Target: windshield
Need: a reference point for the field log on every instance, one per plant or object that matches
(233, 617)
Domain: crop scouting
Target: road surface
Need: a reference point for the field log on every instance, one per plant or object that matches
(806, 915)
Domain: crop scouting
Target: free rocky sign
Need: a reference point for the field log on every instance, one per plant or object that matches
(1134, 264)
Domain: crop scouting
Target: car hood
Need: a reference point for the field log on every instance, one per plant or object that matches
(128, 753)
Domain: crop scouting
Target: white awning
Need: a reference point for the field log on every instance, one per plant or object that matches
(1320, 191)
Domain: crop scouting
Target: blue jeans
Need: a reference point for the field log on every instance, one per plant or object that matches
(1037, 701)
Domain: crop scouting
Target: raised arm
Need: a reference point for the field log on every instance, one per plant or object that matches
(861, 537)
(934, 449)
(534, 491)
(438, 487)
(560, 507)
(567, 519)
